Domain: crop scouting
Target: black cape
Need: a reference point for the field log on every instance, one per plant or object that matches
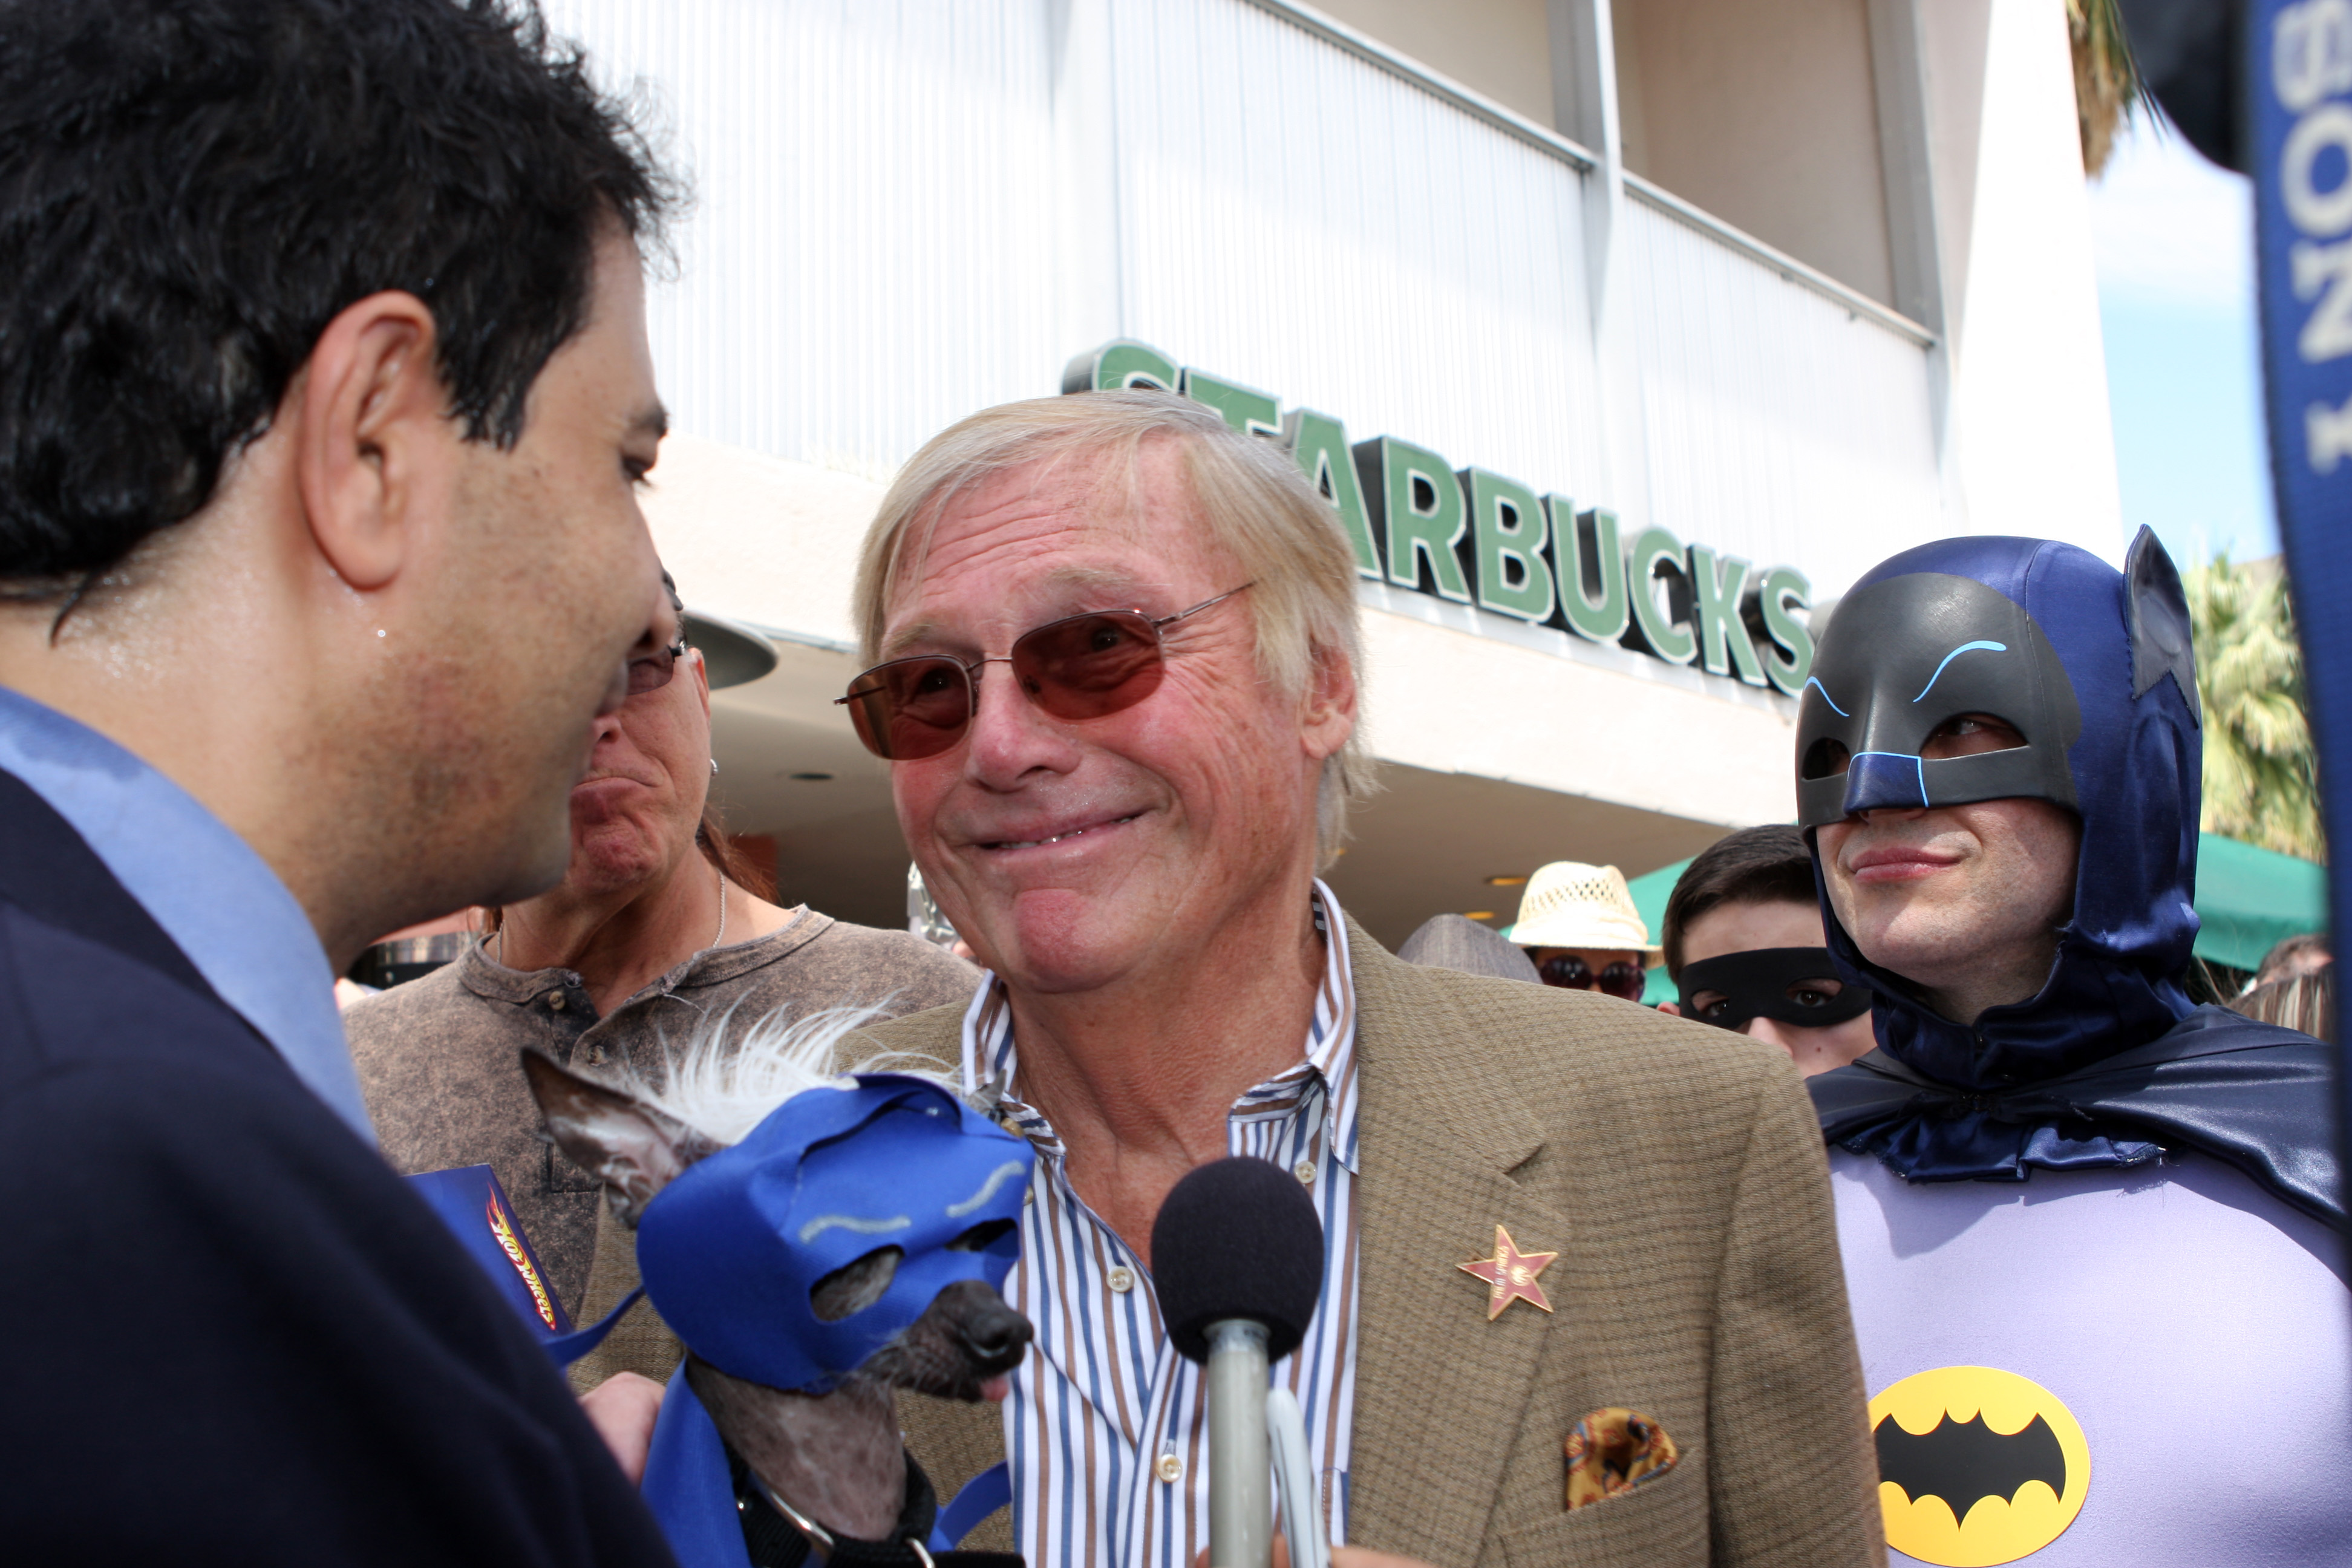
(2254, 1095)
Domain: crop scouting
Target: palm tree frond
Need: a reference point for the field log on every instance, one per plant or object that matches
(2106, 81)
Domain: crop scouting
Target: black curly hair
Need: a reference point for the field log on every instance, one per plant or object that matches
(191, 190)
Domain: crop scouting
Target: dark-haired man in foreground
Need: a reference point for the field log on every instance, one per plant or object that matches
(2080, 1216)
(323, 393)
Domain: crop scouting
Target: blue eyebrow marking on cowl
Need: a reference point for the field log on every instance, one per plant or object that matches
(1964, 647)
(1815, 682)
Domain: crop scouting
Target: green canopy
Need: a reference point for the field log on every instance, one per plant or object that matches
(2247, 900)
(1650, 895)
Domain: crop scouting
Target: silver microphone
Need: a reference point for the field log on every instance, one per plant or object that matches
(1241, 1467)
(1237, 1263)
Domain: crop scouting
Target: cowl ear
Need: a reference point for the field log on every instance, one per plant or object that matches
(2157, 611)
(633, 1149)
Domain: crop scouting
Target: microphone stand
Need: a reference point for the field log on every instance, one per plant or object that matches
(1241, 1492)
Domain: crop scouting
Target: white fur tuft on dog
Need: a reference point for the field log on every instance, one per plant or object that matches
(722, 1081)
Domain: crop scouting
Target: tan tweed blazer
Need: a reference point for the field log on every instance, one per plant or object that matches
(1678, 1171)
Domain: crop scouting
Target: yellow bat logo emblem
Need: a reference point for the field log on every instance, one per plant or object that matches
(1976, 1465)
(509, 1244)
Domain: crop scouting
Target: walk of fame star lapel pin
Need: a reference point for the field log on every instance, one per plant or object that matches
(1510, 1275)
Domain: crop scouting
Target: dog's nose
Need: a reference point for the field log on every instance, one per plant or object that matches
(995, 1333)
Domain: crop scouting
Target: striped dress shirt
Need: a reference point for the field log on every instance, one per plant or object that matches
(1105, 1426)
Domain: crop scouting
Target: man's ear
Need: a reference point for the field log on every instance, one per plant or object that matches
(632, 1147)
(1328, 715)
(371, 413)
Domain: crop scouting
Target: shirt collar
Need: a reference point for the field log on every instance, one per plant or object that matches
(482, 973)
(218, 901)
(989, 1058)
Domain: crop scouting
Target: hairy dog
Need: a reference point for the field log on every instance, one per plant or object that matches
(826, 1449)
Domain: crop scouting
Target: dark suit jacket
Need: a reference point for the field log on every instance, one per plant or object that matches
(233, 1335)
(1678, 1171)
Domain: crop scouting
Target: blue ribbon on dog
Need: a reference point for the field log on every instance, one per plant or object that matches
(687, 1484)
(981, 1496)
(565, 1349)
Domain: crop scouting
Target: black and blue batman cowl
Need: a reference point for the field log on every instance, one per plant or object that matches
(2111, 1064)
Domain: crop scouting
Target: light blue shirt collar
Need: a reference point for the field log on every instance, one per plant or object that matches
(214, 897)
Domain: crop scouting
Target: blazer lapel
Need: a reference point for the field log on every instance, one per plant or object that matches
(1439, 1390)
(50, 872)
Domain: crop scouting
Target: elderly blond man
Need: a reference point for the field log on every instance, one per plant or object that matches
(1115, 677)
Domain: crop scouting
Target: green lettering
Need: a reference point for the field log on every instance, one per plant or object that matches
(1417, 509)
(1245, 408)
(1657, 629)
(1591, 570)
(1716, 582)
(1777, 590)
(1319, 443)
(1119, 363)
(1509, 529)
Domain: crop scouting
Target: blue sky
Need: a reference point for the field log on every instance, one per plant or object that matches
(2173, 239)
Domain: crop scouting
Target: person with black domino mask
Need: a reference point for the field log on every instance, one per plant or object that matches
(1745, 949)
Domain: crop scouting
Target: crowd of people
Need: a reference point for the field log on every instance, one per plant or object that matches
(324, 393)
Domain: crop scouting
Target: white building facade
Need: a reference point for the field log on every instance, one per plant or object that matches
(1626, 337)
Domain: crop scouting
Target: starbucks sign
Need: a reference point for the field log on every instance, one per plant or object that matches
(1475, 537)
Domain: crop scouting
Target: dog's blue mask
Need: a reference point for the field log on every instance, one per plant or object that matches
(733, 1249)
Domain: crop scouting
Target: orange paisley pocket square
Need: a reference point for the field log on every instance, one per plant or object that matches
(1613, 1450)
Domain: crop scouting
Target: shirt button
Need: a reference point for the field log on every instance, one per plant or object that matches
(1121, 1279)
(1170, 1469)
(595, 1055)
(555, 1001)
(1305, 1172)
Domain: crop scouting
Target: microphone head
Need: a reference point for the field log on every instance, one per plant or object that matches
(1237, 1238)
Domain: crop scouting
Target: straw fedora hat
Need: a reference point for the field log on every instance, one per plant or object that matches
(1572, 904)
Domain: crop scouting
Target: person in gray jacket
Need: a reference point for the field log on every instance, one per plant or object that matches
(651, 933)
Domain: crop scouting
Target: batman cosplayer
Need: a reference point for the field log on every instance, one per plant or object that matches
(2090, 1232)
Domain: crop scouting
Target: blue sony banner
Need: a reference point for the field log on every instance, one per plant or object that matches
(2298, 99)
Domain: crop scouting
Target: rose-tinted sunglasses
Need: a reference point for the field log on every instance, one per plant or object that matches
(1572, 973)
(1084, 666)
(652, 671)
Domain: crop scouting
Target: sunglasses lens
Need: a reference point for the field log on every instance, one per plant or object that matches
(911, 707)
(652, 672)
(1089, 666)
(1566, 971)
(1625, 980)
